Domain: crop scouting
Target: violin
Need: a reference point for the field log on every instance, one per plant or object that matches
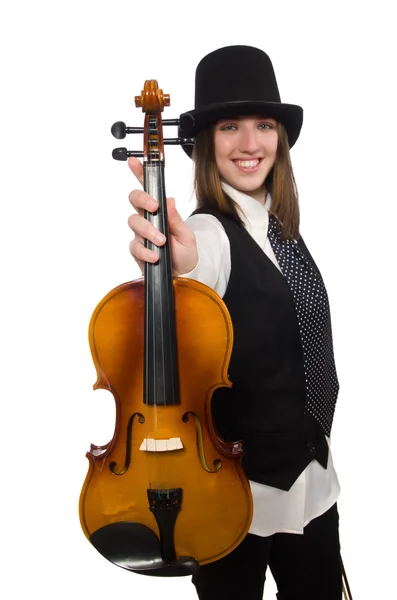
(166, 494)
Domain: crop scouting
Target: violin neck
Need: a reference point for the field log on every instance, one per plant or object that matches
(161, 386)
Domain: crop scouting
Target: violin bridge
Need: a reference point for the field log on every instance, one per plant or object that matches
(152, 445)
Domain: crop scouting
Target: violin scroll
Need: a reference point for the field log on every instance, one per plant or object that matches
(152, 101)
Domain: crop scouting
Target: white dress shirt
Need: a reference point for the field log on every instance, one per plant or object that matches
(316, 489)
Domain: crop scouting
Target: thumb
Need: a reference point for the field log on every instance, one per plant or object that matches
(137, 168)
(176, 225)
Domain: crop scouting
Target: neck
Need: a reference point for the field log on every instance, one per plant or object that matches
(259, 195)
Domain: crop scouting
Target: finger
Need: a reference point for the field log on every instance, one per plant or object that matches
(142, 201)
(137, 168)
(141, 253)
(143, 228)
(140, 263)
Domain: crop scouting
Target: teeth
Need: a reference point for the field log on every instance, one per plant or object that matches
(247, 164)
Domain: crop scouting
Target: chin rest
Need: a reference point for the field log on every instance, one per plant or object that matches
(135, 547)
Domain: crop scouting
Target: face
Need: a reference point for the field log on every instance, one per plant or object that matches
(245, 152)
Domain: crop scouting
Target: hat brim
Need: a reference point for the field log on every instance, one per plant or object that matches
(194, 121)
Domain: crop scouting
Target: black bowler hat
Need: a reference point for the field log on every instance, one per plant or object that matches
(235, 81)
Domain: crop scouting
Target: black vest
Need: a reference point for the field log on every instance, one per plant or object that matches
(266, 405)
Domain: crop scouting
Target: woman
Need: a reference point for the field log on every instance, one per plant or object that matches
(244, 242)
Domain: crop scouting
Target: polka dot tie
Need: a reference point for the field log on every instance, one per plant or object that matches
(314, 319)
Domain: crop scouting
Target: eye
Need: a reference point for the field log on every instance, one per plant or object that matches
(228, 127)
(265, 126)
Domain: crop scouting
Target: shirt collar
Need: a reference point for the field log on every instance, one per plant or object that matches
(254, 214)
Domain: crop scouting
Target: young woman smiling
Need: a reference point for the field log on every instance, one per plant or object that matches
(244, 242)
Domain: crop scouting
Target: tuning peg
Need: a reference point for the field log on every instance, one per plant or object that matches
(186, 123)
(170, 121)
(119, 130)
(179, 141)
(123, 153)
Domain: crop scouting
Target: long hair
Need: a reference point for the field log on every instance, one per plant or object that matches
(280, 183)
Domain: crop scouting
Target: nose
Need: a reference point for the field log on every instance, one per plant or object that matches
(249, 141)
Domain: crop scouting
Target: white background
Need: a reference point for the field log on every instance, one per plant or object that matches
(69, 70)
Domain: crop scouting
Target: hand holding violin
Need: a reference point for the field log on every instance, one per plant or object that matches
(182, 239)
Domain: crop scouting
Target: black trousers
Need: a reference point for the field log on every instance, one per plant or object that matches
(304, 567)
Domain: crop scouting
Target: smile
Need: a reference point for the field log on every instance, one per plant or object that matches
(247, 165)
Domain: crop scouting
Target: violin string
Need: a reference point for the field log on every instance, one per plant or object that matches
(147, 399)
(149, 319)
(154, 333)
(154, 165)
(163, 219)
(146, 370)
(161, 266)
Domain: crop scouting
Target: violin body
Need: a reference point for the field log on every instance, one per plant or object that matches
(210, 522)
(166, 494)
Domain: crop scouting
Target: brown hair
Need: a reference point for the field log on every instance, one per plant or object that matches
(280, 183)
